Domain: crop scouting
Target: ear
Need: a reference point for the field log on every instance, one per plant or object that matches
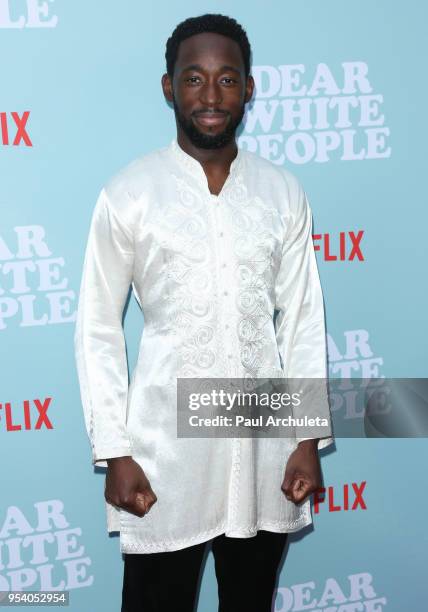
(167, 87)
(249, 88)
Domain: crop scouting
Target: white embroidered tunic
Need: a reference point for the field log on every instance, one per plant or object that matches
(208, 272)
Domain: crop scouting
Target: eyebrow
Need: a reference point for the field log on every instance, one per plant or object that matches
(201, 69)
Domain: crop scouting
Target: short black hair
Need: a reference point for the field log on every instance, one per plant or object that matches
(210, 22)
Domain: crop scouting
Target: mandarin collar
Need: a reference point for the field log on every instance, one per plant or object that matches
(194, 167)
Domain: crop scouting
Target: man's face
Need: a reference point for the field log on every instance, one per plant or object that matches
(209, 89)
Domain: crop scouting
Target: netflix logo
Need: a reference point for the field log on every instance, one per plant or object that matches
(344, 247)
(32, 414)
(13, 130)
(338, 499)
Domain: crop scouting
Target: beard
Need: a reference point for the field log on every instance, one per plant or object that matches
(205, 141)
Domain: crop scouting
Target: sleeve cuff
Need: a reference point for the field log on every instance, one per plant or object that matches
(322, 442)
(100, 457)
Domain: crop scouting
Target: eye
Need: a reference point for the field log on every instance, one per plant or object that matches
(229, 80)
(192, 79)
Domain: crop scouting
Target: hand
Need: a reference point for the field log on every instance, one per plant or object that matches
(303, 472)
(127, 486)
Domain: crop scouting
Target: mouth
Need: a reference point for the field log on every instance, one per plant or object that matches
(210, 119)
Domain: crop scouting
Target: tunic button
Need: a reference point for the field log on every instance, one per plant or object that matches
(224, 265)
(221, 234)
(225, 293)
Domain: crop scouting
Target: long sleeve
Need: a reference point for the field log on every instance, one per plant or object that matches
(300, 328)
(99, 340)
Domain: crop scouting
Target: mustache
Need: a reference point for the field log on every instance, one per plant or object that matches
(210, 111)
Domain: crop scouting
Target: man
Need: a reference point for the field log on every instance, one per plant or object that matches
(213, 239)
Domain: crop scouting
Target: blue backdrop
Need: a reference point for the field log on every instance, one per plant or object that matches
(340, 101)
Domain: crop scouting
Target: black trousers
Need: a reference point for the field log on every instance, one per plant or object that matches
(245, 569)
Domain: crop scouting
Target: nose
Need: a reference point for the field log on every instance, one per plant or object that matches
(210, 93)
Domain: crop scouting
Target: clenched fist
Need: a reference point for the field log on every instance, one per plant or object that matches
(303, 472)
(128, 487)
